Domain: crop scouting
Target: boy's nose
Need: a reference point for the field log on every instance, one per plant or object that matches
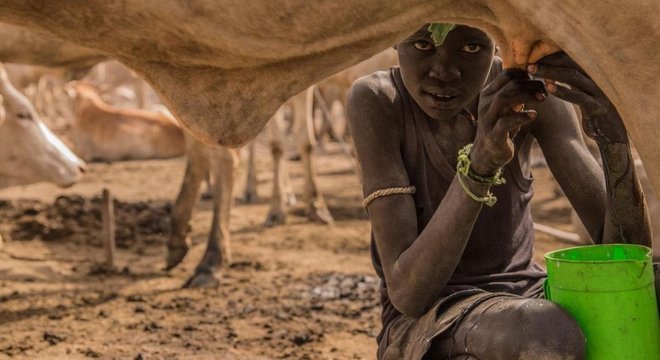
(444, 69)
(445, 72)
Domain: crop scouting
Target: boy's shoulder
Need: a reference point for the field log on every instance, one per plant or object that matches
(378, 85)
(374, 107)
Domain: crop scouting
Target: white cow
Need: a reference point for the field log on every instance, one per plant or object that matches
(30, 152)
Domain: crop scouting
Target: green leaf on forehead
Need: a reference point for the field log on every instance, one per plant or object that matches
(439, 32)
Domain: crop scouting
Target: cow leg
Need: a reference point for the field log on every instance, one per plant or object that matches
(317, 211)
(339, 121)
(208, 194)
(250, 195)
(321, 129)
(140, 88)
(285, 181)
(277, 213)
(223, 162)
(197, 165)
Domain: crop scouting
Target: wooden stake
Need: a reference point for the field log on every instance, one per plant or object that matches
(566, 236)
(108, 218)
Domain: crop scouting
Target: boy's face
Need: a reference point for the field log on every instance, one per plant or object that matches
(443, 80)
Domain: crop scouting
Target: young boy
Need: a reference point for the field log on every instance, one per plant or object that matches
(452, 242)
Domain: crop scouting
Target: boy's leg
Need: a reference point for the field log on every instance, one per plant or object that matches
(512, 328)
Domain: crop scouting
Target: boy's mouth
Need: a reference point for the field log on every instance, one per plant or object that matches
(441, 99)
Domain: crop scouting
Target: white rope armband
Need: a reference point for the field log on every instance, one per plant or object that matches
(389, 191)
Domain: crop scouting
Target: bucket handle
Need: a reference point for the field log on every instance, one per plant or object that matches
(546, 290)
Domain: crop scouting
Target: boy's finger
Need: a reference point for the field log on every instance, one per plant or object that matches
(495, 85)
(519, 92)
(506, 76)
(511, 123)
(573, 96)
(569, 76)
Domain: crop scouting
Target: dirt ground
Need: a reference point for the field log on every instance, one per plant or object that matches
(301, 291)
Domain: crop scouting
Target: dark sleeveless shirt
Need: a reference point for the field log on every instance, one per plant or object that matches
(498, 255)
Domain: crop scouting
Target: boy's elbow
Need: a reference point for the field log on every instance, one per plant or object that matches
(409, 305)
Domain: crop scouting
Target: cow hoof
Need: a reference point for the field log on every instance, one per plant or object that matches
(319, 213)
(250, 197)
(275, 219)
(207, 195)
(175, 255)
(202, 280)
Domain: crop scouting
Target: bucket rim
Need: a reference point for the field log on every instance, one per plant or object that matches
(549, 255)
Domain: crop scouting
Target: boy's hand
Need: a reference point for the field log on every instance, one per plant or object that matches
(501, 116)
(600, 119)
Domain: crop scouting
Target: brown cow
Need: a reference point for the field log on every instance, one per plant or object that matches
(103, 132)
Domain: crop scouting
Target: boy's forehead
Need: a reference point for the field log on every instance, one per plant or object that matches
(422, 31)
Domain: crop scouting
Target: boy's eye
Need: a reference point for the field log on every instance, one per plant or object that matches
(471, 48)
(423, 45)
(24, 115)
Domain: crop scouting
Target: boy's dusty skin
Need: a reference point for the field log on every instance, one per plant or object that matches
(458, 278)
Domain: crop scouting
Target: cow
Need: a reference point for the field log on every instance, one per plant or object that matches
(233, 69)
(45, 88)
(332, 91)
(20, 45)
(102, 132)
(120, 86)
(30, 151)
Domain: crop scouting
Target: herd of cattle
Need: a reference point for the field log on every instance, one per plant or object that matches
(137, 127)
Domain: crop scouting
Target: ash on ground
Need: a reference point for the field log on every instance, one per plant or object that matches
(78, 219)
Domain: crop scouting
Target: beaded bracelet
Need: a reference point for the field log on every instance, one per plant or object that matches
(463, 169)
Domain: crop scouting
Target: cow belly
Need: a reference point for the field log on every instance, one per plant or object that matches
(129, 142)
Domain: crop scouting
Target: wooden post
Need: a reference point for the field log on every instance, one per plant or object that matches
(566, 236)
(108, 218)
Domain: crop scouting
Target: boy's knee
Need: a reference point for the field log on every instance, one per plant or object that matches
(546, 331)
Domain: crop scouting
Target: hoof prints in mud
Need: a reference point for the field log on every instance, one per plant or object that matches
(78, 219)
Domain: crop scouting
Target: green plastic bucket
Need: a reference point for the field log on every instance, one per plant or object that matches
(609, 290)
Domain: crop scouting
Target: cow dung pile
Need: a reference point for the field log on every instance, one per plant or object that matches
(78, 219)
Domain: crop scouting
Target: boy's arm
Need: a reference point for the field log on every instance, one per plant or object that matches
(626, 218)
